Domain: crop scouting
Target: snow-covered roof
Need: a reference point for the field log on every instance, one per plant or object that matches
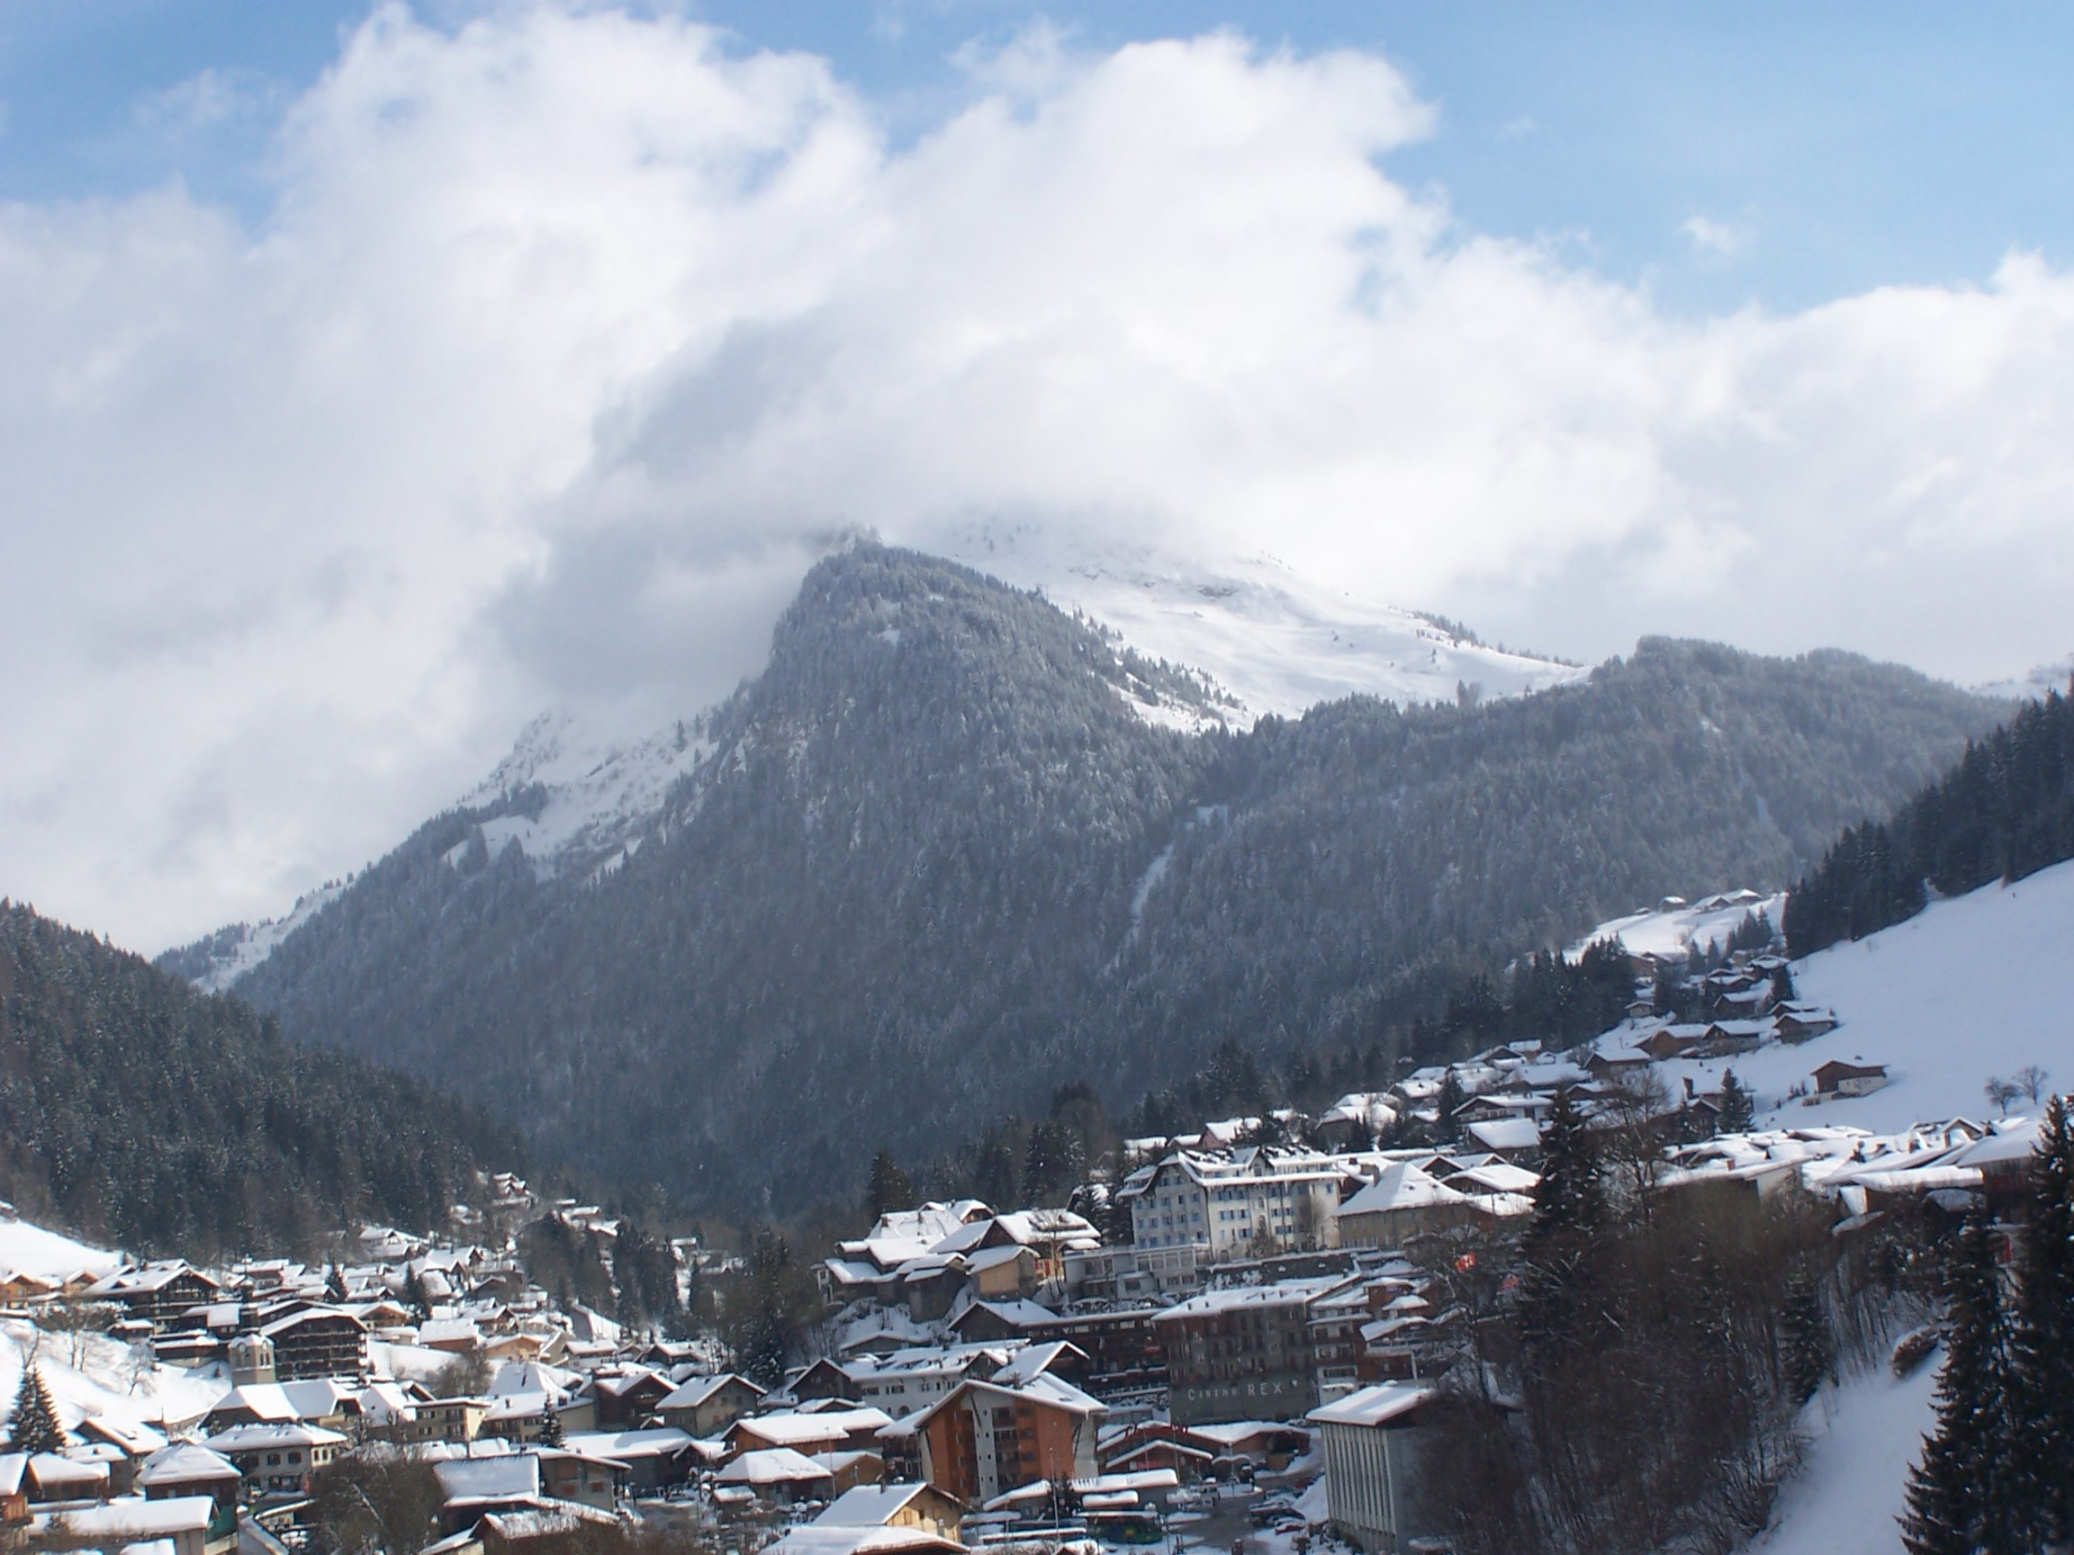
(818, 1538)
(1402, 1186)
(258, 1438)
(629, 1444)
(797, 1427)
(183, 1462)
(132, 1518)
(771, 1466)
(1372, 1406)
(869, 1506)
(1283, 1293)
(1506, 1133)
(513, 1477)
(694, 1391)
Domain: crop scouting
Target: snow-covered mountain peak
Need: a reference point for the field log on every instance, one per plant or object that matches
(1277, 641)
(593, 789)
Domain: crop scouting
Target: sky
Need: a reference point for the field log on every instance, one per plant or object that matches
(379, 377)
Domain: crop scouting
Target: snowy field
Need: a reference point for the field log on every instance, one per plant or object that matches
(1976, 986)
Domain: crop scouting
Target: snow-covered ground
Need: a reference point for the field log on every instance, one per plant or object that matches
(1971, 987)
(1846, 1499)
(27, 1249)
(92, 1375)
(1277, 641)
(1675, 926)
(602, 786)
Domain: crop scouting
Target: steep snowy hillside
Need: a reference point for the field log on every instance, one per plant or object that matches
(91, 1376)
(1865, 1435)
(1969, 988)
(1277, 641)
(595, 789)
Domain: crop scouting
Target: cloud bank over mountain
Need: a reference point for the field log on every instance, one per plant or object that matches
(568, 338)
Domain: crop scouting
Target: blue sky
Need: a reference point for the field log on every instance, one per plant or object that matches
(1778, 153)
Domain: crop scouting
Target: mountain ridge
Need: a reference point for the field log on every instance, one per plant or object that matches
(932, 861)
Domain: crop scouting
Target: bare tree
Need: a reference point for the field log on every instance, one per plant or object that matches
(2001, 1093)
(2031, 1081)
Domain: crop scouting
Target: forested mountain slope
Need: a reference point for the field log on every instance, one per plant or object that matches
(931, 864)
(140, 1111)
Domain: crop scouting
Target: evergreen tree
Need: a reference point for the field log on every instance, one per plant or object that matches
(2042, 1340)
(1958, 1494)
(1447, 1128)
(1783, 991)
(1570, 1214)
(551, 1433)
(1738, 1110)
(34, 1426)
(1810, 1348)
(1570, 1199)
(888, 1188)
(764, 1311)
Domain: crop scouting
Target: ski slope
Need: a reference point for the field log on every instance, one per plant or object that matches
(1975, 986)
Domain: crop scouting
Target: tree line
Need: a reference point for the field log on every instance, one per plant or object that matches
(146, 1114)
(2006, 810)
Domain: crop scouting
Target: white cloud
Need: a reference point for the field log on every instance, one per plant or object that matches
(1721, 241)
(568, 334)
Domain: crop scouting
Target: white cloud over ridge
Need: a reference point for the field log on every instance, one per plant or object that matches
(568, 336)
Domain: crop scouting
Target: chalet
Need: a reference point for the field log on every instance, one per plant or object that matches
(823, 1379)
(1402, 1202)
(1799, 1022)
(471, 1488)
(998, 1322)
(277, 1459)
(159, 1292)
(828, 1430)
(53, 1477)
(14, 1489)
(704, 1406)
(1728, 1037)
(627, 1398)
(1667, 1042)
(1615, 1065)
(779, 1474)
(1157, 1444)
(186, 1469)
(588, 1479)
(1517, 1140)
(654, 1459)
(919, 1506)
(985, 1438)
(178, 1526)
(450, 1419)
(1838, 1078)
